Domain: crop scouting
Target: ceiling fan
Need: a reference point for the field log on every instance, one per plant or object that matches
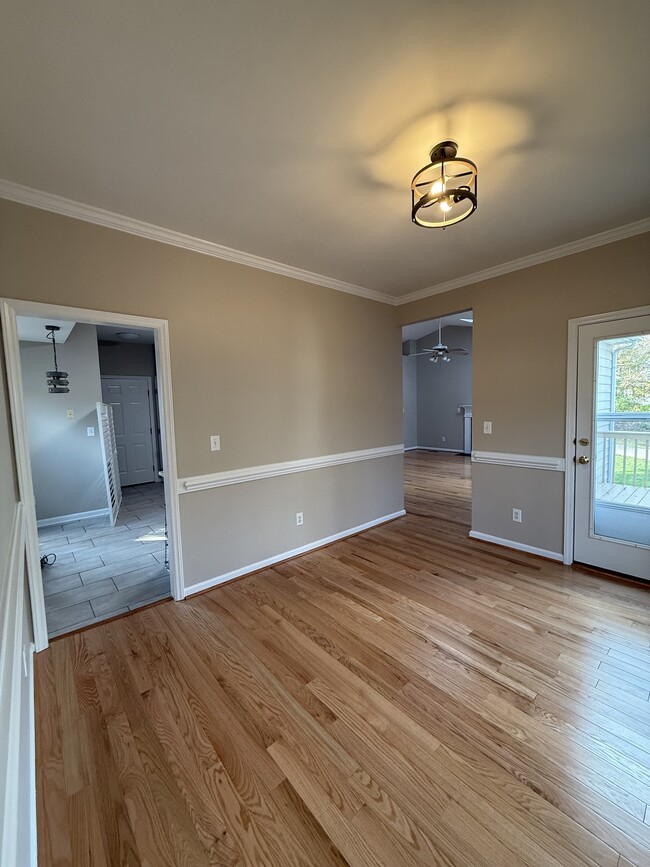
(441, 352)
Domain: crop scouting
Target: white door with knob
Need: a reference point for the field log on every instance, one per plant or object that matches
(130, 398)
(612, 446)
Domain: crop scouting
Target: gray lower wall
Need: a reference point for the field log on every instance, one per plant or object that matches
(228, 528)
(441, 389)
(519, 488)
(67, 464)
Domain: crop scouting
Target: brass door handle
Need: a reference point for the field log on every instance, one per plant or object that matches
(583, 459)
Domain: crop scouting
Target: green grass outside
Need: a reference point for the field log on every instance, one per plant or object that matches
(630, 477)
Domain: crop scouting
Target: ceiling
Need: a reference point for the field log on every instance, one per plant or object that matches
(291, 130)
(421, 329)
(33, 328)
(122, 334)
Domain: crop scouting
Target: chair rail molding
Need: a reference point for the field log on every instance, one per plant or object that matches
(267, 471)
(531, 462)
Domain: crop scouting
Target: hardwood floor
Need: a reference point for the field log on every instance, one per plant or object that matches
(403, 697)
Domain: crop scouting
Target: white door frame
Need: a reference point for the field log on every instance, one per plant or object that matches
(571, 414)
(9, 309)
(152, 413)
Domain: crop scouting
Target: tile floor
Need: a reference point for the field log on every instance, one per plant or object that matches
(101, 571)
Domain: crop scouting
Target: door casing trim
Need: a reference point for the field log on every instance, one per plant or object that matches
(571, 415)
(9, 309)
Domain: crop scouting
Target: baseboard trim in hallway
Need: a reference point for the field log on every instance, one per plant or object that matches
(517, 546)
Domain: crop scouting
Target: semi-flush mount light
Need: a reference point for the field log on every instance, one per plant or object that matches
(57, 380)
(127, 335)
(444, 191)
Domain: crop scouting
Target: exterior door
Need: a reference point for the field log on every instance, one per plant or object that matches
(612, 458)
(130, 398)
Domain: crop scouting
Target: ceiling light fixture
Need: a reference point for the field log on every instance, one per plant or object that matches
(57, 380)
(444, 191)
(127, 335)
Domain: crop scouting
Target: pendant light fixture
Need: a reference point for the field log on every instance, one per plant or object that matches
(57, 380)
(444, 191)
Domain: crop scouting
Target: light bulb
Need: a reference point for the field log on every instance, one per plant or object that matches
(444, 204)
(437, 188)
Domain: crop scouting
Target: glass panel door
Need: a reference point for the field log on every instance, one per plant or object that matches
(612, 459)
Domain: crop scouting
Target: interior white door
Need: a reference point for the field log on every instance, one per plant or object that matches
(612, 458)
(129, 396)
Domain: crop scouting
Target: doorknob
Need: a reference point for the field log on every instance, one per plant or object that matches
(583, 459)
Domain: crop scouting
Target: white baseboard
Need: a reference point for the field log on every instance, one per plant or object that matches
(77, 516)
(288, 555)
(434, 449)
(518, 546)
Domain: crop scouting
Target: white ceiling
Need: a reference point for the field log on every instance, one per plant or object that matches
(421, 329)
(116, 333)
(291, 130)
(34, 329)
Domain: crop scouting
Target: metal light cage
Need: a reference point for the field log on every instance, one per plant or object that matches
(444, 192)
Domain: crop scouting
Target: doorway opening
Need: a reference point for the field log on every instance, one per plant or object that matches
(437, 413)
(96, 462)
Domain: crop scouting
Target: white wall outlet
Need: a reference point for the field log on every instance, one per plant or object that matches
(215, 443)
(90, 431)
(516, 516)
(299, 519)
(487, 427)
(69, 413)
(444, 439)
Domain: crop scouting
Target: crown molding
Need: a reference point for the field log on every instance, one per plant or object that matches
(589, 243)
(88, 213)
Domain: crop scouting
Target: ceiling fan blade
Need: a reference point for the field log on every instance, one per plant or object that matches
(458, 351)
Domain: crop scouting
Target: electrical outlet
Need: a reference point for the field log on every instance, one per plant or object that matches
(215, 443)
(69, 413)
(487, 427)
(516, 516)
(444, 439)
(299, 519)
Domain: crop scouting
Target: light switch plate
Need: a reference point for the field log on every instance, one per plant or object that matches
(69, 413)
(215, 443)
(90, 431)
(487, 427)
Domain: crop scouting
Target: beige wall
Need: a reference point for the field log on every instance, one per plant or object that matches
(520, 364)
(281, 369)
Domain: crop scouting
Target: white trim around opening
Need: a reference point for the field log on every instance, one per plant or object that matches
(9, 309)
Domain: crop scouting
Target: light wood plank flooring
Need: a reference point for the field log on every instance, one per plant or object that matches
(403, 697)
